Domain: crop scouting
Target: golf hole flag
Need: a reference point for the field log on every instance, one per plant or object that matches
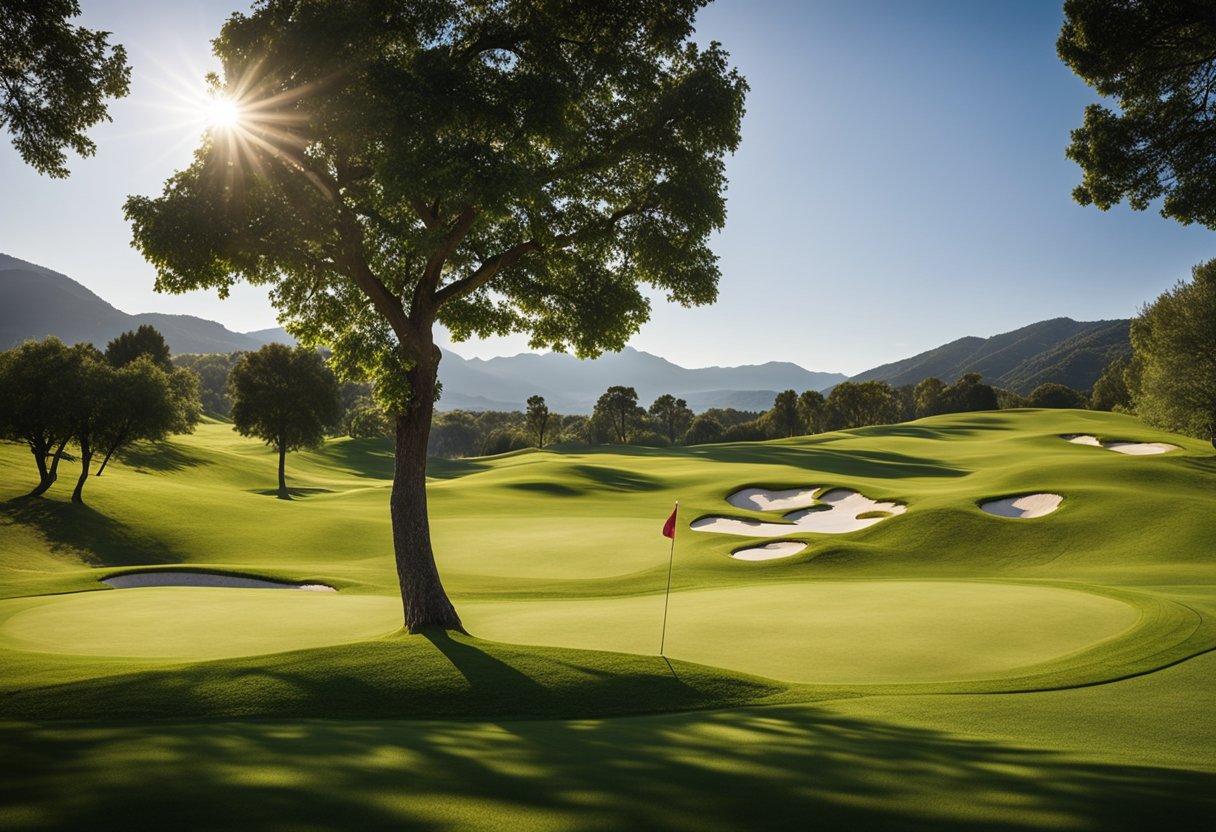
(669, 528)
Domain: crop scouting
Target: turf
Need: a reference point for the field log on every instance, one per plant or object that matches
(881, 678)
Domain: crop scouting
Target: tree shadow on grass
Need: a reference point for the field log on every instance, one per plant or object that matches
(160, 456)
(618, 479)
(450, 469)
(371, 458)
(301, 491)
(76, 529)
(772, 768)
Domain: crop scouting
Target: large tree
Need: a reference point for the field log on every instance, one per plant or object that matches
(54, 81)
(1173, 372)
(286, 398)
(495, 167)
(1158, 61)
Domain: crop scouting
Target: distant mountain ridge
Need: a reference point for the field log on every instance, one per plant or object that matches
(1058, 350)
(36, 302)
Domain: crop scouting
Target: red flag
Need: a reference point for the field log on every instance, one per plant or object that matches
(669, 528)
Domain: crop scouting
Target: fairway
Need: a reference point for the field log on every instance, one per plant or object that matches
(942, 669)
(839, 632)
(192, 622)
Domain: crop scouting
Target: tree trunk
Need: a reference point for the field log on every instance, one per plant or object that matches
(86, 459)
(47, 476)
(425, 602)
(283, 495)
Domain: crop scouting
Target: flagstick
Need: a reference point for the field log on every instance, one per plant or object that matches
(667, 597)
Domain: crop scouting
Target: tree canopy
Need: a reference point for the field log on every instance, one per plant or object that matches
(1173, 373)
(54, 81)
(146, 340)
(284, 397)
(672, 416)
(618, 412)
(40, 381)
(495, 167)
(1158, 61)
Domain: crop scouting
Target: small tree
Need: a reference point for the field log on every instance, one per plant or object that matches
(1110, 390)
(812, 410)
(130, 345)
(54, 79)
(704, 430)
(536, 420)
(928, 397)
(783, 418)
(39, 380)
(617, 411)
(95, 407)
(1173, 373)
(672, 415)
(1051, 394)
(286, 398)
(967, 394)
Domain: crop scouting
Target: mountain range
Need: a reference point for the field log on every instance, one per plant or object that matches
(36, 302)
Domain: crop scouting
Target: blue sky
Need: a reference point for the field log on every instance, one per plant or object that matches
(901, 183)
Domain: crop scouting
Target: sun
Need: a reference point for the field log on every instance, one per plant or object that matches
(222, 113)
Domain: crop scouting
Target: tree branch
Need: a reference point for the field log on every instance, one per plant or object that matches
(484, 273)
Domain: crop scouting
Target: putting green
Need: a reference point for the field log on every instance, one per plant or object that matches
(833, 632)
(193, 622)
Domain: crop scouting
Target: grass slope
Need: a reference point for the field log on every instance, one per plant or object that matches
(555, 560)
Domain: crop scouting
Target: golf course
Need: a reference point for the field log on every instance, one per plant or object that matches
(969, 621)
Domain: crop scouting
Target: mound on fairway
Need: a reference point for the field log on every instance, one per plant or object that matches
(1023, 507)
(1120, 447)
(192, 623)
(770, 551)
(166, 577)
(837, 511)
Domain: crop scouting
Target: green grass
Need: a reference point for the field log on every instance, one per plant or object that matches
(881, 678)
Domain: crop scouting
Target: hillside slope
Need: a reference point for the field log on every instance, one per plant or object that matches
(1058, 350)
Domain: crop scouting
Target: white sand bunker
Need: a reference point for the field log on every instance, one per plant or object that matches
(761, 499)
(837, 511)
(1024, 507)
(770, 551)
(133, 580)
(1131, 448)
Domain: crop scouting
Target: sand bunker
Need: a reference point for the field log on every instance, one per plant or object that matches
(760, 499)
(836, 512)
(1119, 447)
(770, 551)
(133, 580)
(1024, 507)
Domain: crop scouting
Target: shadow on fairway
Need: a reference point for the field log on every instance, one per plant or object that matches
(450, 469)
(819, 458)
(775, 768)
(159, 457)
(76, 529)
(292, 492)
(485, 674)
(372, 458)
